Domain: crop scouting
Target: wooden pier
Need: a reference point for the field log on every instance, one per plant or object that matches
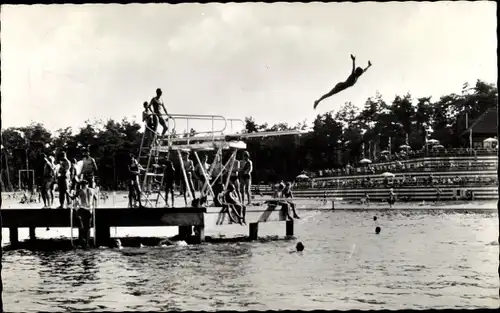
(184, 218)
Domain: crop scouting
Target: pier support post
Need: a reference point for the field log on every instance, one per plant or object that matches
(253, 229)
(289, 228)
(103, 234)
(185, 232)
(84, 236)
(13, 236)
(199, 234)
(32, 234)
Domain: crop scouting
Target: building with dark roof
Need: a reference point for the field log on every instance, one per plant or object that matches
(485, 126)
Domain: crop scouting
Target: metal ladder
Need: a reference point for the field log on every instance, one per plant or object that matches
(171, 142)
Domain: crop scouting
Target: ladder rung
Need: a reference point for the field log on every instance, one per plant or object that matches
(153, 174)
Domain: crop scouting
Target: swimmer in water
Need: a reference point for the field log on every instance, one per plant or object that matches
(351, 80)
(299, 247)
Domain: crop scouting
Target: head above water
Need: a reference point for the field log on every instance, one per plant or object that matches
(358, 71)
(377, 230)
(299, 246)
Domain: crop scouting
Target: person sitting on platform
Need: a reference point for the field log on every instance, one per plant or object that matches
(134, 189)
(287, 194)
(233, 177)
(232, 201)
(85, 197)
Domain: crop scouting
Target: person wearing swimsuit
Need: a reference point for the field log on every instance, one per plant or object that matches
(134, 188)
(198, 173)
(89, 168)
(48, 179)
(85, 197)
(189, 168)
(73, 176)
(233, 177)
(169, 180)
(350, 81)
(392, 198)
(151, 121)
(246, 178)
(62, 180)
(157, 103)
(287, 194)
(232, 202)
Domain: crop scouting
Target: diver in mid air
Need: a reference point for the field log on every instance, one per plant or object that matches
(351, 80)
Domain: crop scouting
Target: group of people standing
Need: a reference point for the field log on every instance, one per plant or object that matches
(63, 173)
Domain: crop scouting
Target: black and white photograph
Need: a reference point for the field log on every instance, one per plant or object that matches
(249, 156)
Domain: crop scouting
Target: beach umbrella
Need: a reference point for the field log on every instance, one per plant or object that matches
(404, 147)
(433, 141)
(490, 140)
(302, 176)
(384, 152)
(387, 174)
(365, 161)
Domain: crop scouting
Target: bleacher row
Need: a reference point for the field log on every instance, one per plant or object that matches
(427, 164)
(403, 194)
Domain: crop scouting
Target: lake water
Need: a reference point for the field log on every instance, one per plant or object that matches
(420, 260)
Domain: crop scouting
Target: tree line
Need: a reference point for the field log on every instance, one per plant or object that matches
(337, 138)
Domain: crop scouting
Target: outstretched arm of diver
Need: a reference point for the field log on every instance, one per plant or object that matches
(369, 65)
(353, 58)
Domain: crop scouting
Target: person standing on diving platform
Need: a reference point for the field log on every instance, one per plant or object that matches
(156, 103)
(351, 80)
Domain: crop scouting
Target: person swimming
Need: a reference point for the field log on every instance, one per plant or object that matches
(350, 81)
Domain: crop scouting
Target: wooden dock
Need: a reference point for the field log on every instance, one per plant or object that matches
(184, 218)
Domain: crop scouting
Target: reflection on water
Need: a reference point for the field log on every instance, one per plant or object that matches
(419, 260)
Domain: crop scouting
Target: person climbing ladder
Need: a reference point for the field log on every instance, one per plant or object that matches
(351, 80)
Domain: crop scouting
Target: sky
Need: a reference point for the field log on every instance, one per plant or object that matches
(65, 64)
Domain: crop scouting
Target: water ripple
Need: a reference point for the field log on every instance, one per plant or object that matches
(419, 261)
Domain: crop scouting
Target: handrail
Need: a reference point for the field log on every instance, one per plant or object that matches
(203, 117)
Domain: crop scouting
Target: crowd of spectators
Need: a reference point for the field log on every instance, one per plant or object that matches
(406, 181)
(420, 164)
